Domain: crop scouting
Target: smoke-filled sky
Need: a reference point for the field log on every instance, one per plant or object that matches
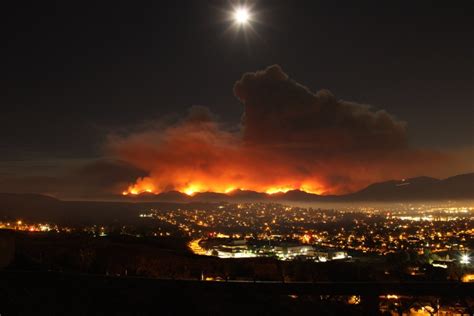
(326, 97)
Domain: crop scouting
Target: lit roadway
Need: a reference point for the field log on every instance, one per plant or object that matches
(196, 248)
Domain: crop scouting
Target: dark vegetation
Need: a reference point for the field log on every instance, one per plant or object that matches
(78, 274)
(169, 258)
(166, 258)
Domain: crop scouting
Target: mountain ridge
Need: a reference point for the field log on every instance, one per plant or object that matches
(458, 187)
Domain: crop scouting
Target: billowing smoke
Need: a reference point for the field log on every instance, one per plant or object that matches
(289, 138)
(279, 111)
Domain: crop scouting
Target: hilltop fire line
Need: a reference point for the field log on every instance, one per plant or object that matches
(143, 187)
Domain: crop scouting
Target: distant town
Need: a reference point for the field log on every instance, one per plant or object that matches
(243, 230)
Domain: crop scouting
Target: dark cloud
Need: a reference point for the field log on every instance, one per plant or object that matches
(107, 173)
(278, 110)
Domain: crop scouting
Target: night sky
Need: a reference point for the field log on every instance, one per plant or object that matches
(73, 72)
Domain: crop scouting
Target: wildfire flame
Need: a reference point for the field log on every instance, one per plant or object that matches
(283, 189)
(145, 185)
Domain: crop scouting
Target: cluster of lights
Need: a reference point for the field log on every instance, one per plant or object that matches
(22, 226)
(371, 230)
(465, 259)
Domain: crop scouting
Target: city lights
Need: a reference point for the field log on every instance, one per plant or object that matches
(465, 259)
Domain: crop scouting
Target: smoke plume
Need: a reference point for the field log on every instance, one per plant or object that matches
(289, 138)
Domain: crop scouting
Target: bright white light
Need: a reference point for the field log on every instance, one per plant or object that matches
(465, 259)
(241, 15)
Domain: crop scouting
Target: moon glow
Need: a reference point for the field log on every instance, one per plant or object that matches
(241, 16)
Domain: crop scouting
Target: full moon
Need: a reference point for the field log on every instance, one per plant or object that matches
(241, 16)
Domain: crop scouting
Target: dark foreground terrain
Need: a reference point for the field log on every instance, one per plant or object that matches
(50, 293)
(77, 274)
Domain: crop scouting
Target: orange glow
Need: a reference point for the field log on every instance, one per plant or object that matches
(468, 278)
(192, 189)
(145, 185)
(201, 158)
(306, 238)
(133, 190)
(230, 189)
(312, 188)
(195, 158)
(283, 189)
